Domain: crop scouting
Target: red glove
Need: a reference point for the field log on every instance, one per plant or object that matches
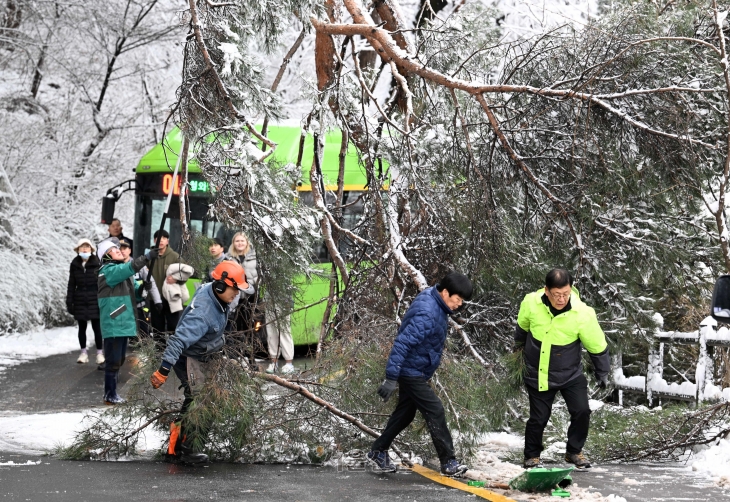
(157, 379)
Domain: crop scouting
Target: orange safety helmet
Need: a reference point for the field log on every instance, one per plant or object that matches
(229, 273)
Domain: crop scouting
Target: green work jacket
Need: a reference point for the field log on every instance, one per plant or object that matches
(116, 290)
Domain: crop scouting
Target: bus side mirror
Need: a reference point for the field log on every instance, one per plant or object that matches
(721, 299)
(107, 209)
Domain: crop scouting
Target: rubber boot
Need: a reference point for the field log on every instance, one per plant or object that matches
(184, 450)
(188, 456)
(110, 388)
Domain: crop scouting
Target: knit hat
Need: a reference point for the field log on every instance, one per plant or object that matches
(81, 243)
(106, 245)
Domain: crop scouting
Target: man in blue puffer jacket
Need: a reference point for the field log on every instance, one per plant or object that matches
(415, 356)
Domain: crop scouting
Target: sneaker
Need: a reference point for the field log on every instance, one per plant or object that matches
(113, 400)
(380, 460)
(578, 459)
(83, 358)
(453, 468)
(531, 463)
(271, 368)
(288, 369)
(100, 358)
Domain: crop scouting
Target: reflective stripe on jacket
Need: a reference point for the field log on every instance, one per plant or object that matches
(553, 343)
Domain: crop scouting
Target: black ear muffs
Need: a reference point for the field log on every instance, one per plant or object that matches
(220, 285)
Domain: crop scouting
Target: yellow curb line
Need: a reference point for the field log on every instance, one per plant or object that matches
(444, 480)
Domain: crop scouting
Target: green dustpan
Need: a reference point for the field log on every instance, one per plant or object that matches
(541, 479)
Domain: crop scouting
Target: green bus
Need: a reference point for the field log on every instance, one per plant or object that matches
(154, 180)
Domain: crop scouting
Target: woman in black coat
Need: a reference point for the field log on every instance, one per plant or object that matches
(81, 296)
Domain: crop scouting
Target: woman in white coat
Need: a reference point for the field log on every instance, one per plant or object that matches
(278, 328)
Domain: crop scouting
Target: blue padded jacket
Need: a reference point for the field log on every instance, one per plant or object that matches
(417, 349)
(199, 332)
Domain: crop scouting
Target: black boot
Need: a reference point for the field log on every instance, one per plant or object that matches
(186, 455)
(110, 388)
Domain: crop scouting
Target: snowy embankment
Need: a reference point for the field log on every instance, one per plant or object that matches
(37, 434)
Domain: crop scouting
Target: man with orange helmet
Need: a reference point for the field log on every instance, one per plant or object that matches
(199, 335)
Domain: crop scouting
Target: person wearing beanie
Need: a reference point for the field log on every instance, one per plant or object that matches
(117, 309)
(81, 297)
(198, 337)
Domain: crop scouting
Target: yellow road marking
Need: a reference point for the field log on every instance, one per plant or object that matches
(444, 480)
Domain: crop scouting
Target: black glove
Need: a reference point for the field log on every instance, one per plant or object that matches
(70, 308)
(147, 286)
(152, 254)
(518, 347)
(158, 308)
(386, 389)
(603, 383)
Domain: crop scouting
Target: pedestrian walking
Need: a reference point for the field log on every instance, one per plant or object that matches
(117, 309)
(415, 356)
(553, 326)
(199, 335)
(81, 297)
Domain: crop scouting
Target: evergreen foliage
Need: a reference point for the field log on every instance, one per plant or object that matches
(597, 150)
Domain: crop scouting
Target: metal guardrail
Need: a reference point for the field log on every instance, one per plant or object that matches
(706, 337)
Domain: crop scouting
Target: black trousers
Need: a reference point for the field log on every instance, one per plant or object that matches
(415, 394)
(96, 326)
(164, 321)
(575, 394)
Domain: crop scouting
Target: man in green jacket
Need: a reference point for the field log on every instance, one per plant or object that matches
(164, 320)
(552, 328)
(117, 309)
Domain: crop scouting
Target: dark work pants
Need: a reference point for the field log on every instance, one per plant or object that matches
(164, 321)
(416, 394)
(575, 394)
(115, 352)
(188, 433)
(96, 326)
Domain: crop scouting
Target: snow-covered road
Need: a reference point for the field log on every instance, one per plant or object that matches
(34, 427)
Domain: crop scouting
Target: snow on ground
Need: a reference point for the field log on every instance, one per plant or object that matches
(37, 434)
(488, 467)
(18, 348)
(40, 433)
(713, 461)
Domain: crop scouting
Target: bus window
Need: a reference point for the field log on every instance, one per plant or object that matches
(353, 208)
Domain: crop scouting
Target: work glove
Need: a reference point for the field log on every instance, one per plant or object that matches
(603, 383)
(158, 308)
(386, 389)
(159, 377)
(152, 254)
